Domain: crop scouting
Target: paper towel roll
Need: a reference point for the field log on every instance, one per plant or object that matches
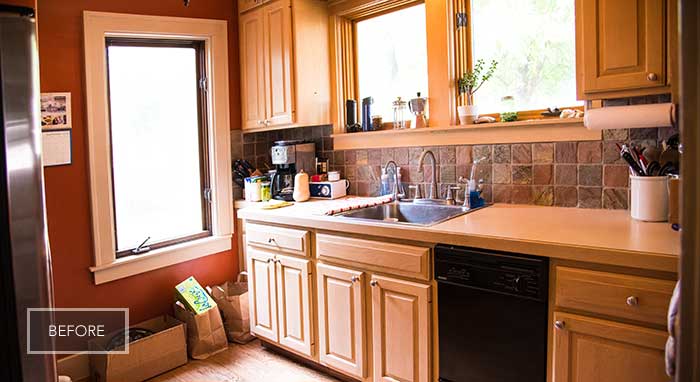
(629, 117)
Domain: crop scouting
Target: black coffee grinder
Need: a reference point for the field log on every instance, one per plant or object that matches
(288, 158)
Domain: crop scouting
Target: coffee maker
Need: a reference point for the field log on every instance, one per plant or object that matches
(288, 158)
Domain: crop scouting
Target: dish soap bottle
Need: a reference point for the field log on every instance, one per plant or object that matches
(301, 187)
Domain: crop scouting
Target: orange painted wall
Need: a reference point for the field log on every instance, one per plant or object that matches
(67, 191)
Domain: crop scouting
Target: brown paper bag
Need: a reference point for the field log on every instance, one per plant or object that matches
(232, 299)
(205, 331)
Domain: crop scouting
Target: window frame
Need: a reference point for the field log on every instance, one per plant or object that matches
(465, 55)
(355, 66)
(98, 26)
(202, 130)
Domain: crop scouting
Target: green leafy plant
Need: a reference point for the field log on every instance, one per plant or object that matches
(471, 81)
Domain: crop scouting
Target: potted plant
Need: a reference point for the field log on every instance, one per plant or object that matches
(469, 84)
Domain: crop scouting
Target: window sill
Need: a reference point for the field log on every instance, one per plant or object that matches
(531, 131)
(160, 258)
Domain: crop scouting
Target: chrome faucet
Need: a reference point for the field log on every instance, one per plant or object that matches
(395, 190)
(433, 193)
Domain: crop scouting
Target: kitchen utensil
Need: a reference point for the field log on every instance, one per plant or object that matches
(399, 109)
(418, 107)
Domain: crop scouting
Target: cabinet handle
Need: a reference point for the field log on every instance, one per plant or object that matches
(652, 77)
(560, 325)
(266, 122)
(374, 283)
(269, 260)
(355, 279)
(271, 240)
(261, 122)
(632, 301)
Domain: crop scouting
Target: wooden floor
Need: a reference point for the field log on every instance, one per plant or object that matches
(244, 363)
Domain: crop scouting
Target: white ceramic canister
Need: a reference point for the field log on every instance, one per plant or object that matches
(649, 198)
(301, 187)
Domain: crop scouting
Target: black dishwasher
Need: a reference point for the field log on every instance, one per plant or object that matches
(492, 315)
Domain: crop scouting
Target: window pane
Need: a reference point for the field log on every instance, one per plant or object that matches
(155, 143)
(534, 44)
(392, 58)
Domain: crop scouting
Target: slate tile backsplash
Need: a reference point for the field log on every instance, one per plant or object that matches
(566, 174)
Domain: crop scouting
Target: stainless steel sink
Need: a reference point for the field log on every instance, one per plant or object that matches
(408, 213)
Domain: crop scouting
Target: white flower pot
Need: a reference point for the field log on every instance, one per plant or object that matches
(467, 114)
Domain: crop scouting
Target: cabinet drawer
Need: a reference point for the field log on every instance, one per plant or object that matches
(285, 239)
(631, 297)
(399, 259)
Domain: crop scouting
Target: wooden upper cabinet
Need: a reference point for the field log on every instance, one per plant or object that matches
(341, 319)
(621, 46)
(592, 350)
(294, 304)
(262, 293)
(400, 330)
(252, 69)
(246, 5)
(285, 67)
(277, 45)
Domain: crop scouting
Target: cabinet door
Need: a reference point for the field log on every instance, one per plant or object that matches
(294, 304)
(341, 319)
(252, 69)
(400, 330)
(622, 44)
(593, 350)
(262, 294)
(277, 24)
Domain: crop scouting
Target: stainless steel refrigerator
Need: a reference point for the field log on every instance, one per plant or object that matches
(25, 263)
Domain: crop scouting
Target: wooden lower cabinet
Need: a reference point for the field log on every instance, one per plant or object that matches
(341, 319)
(400, 330)
(594, 350)
(294, 304)
(280, 299)
(262, 293)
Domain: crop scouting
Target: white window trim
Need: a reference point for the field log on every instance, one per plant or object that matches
(97, 26)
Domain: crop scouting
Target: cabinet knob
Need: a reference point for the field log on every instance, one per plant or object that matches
(560, 325)
(269, 260)
(261, 122)
(374, 283)
(632, 301)
(652, 77)
(271, 240)
(355, 279)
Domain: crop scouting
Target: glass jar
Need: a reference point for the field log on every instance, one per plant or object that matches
(399, 108)
(508, 111)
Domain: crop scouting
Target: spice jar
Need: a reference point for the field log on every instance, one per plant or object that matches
(376, 122)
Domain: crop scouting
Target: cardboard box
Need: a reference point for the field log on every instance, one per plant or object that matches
(164, 350)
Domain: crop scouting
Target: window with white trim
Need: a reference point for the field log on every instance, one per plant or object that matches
(158, 131)
(158, 141)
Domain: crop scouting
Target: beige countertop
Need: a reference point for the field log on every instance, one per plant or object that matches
(598, 236)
